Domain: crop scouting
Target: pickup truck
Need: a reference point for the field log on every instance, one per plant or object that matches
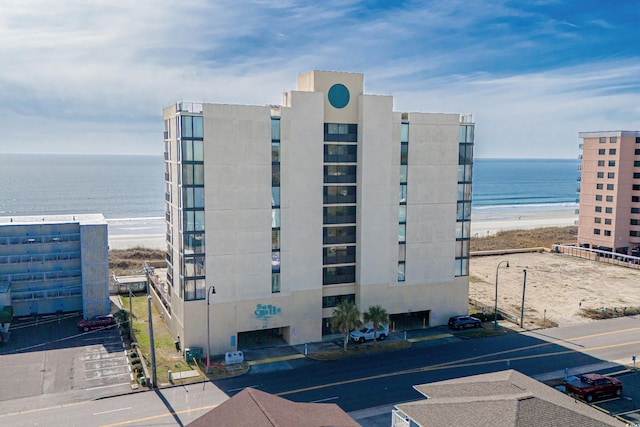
(591, 386)
(366, 333)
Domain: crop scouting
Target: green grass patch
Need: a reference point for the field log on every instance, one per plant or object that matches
(167, 358)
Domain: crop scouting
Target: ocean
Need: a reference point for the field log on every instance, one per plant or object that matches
(129, 189)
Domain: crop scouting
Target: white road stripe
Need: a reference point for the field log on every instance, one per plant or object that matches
(113, 410)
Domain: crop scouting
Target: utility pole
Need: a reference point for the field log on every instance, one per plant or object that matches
(154, 383)
(524, 287)
(210, 290)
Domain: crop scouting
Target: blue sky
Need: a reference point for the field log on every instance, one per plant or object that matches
(84, 76)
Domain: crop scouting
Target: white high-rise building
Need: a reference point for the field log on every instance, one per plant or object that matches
(288, 210)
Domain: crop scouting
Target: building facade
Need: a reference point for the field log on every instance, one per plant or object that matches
(56, 263)
(609, 218)
(284, 211)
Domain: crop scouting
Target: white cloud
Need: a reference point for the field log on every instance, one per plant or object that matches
(82, 76)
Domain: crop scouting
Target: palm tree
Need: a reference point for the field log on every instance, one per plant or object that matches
(346, 318)
(376, 316)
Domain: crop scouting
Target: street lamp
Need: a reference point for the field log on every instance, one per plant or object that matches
(495, 309)
(211, 290)
(524, 286)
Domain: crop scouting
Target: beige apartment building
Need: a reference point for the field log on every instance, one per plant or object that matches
(609, 218)
(276, 214)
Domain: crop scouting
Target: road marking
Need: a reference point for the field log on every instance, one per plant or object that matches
(102, 368)
(107, 386)
(276, 359)
(242, 388)
(452, 365)
(324, 400)
(113, 410)
(102, 377)
(155, 417)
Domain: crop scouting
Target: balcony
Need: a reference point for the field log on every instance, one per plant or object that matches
(190, 107)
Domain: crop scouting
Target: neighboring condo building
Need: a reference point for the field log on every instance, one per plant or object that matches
(609, 218)
(275, 214)
(54, 264)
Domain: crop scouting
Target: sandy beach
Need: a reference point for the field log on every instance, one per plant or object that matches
(127, 234)
(490, 223)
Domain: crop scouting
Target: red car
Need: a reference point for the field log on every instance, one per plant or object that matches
(98, 322)
(592, 386)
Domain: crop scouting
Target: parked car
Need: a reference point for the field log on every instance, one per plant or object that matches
(461, 322)
(97, 322)
(592, 386)
(366, 333)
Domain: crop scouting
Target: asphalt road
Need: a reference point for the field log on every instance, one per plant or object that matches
(368, 387)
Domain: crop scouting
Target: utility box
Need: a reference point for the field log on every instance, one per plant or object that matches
(196, 353)
(233, 357)
(188, 355)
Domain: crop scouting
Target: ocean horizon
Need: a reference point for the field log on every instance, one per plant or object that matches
(129, 190)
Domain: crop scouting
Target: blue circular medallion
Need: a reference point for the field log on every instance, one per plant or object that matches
(338, 95)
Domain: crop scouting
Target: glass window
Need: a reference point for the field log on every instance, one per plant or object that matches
(275, 239)
(597, 220)
(635, 210)
(404, 153)
(600, 175)
(339, 215)
(187, 150)
(275, 283)
(197, 127)
(612, 162)
(404, 132)
(275, 129)
(198, 174)
(402, 252)
(596, 231)
(600, 162)
(341, 234)
(463, 229)
(470, 131)
(599, 186)
(194, 243)
(275, 175)
(403, 193)
(465, 154)
(339, 194)
(402, 230)
(275, 197)
(401, 272)
(332, 301)
(613, 139)
(609, 198)
(275, 261)
(635, 199)
(609, 186)
(598, 197)
(198, 151)
(463, 211)
(339, 255)
(612, 151)
(607, 221)
(636, 164)
(607, 232)
(634, 222)
(340, 174)
(403, 174)
(342, 274)
(199, 220)
(598, 208)
(464, 173)
(275, 218)
(462, 248)
(464, 192)
(601, 151)
(275, 152)
(334, 153)
(402, 214)
(602, 140)
(187, 127)
(608, 210)
(198, 201)
(611, 174)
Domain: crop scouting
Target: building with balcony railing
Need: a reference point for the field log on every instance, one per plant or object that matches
(289, 210)
(54, 264)
(609, 216)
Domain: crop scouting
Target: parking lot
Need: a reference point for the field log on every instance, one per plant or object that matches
(48, 355)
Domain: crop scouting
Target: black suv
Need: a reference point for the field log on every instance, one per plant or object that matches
(461, 322)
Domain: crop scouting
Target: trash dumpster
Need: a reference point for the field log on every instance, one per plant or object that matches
(196, 353)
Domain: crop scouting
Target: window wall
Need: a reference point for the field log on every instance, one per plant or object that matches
(463, 213)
